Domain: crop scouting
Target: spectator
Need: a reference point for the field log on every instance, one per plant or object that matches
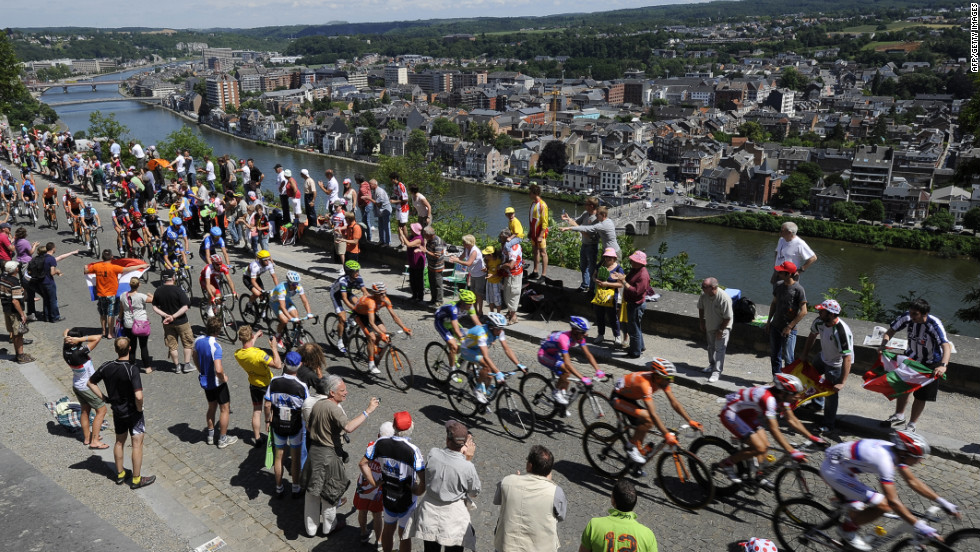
(14, 313)
(106, 288)
(133, 305)
(258, 366)
(513, 266)
(364, 204)
(76, 351)
(337, 221)
(423, 209)
(367, 498)
(495, 277)
(309, 197)
(214, 381)
(414, 246)
(928, 344)
(608, 296)
(125, 393)
(715, 316)
(792, 248)
(538, 231)
(787, 309)
(230, 181)
(255, 178)
(349, 195)
(259, 228)
(7, 252)
(514, 223)
(282, 181)
(351, 237)
(588, 252)
(294, 200)
(835, 359)
(312, 361)
(604, 229)
(442, 520)
(382, 206)
(400, 200)
(476, 271)
(208, 170)
(324, 476)
(620, 525)
(636, 287)
(402, 479)
(25, 251)
(23, 248)
(49, 290)
(283, 406)
(332, 188)
(171, 303)
(435, 253)
(531, 505)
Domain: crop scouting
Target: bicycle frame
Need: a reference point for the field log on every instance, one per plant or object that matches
(882, 537)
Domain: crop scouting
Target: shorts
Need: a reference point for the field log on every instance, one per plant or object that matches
(401, 216)
(552, 363)
(479, 285)
(471, 355)
(171, 332)
(248, 281)
(219, 394)
(512, 292)
(295, 205)
(493, 293)
(737, 425)
(371, 505)
(49, 201)
(401, 519)
(363, 322)
(628, 408)
(134, 424)
(107, 306)
(86, 396)
(257, 394)
(289, 307)
(929, 392)
(338, 304)
(292, 441)
(12, 321)
(445, 333)
(543, 243)
(844, 483)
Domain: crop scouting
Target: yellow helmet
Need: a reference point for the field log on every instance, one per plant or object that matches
(151, 211)
(263, 254)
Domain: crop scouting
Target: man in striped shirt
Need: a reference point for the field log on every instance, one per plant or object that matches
(835, 358)
(927, 344)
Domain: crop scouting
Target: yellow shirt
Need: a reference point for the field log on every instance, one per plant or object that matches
(516, 227)
(255, 362)
(493, 265)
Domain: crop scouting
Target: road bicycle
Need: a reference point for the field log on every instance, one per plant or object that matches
(295, 335)
(222, 306)
(93, 240)
(792, 478)
(593, 407)
(397, 364)
(805, 524)
(513, 409)
(253, 312)
(437, 361)
(685, 478)
(51, 216)
(30, 211)
(183, 278)
(334, 339)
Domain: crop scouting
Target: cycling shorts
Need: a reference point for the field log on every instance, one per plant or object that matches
(276, 307)
(49, 201)
(843, 481)
(550, 362)
(445, 333)
(338, 303)
(248, 281)
(471, 355)
(741, 426)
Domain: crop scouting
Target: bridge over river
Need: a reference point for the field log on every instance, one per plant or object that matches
(101, 100)
(640, 217)
(44, 86)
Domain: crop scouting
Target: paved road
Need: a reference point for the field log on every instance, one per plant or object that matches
(229, 492)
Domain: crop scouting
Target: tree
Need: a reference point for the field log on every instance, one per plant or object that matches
(370, 139)
(791, 78)
(874, 210)
(442, 126)
(185, 138)
(553, 157)
(972, 311)
(504, 142)
(971, 219)
(15, 101)
(845, 211)
(793, 190)
(418, 144)
(395, 124)
(754, 132)
(367, 119)
(673, 273)
(106, 126)
(480, 132)
(811, 170)
(941, 219)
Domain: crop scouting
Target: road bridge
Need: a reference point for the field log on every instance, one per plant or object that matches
(43, 87)
(101, 100)
(637, 218)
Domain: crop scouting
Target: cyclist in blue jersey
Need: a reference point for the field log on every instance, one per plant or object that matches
(281, 300)
(476, 348)
(342, 294)
(447, 321)
(90, 220)
(28, 192)
(554, 355)
(212, 242)
(175, 237)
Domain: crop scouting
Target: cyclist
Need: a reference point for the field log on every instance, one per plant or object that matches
(742, 416)
(121, 224)
(50, 196)
(476, 348)
(366, 314)
(553, 354)
(152, 221)
(89, 220)
(73, 207)
(175, 239)
(210, 280)
(446, 322)
(282, 300)
(252, 277)
(28, 193)
(878, 457)
(212, 242)
(138, 235)
(343, 298)
(9, 191)
(633, 396)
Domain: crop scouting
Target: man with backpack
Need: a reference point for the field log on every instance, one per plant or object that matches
(284, 413)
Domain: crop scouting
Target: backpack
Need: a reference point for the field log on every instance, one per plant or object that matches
(35, 268)
(743, 311)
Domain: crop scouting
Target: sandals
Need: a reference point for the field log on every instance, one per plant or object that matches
(24, 358)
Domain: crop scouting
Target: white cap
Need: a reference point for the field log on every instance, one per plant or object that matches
(288, 173)
(11, 266)
(304, 172)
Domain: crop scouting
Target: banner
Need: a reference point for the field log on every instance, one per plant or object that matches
(812, 380)
(895, 375)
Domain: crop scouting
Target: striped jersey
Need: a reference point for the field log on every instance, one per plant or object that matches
(925, 339)
(865, 456)
(400, 462)
(287, 393)
(836, 342)
(538, 220)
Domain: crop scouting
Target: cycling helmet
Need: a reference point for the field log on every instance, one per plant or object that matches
(352, 266)
(292, 277)
(579, 323)
(117, 204)
(88, 204)
(176, 221)
(378, 288)
(263, 254)
(787, 383)
(756, 544)
(215, 231)
(495, 320)
(215, 258)
(136, 214)
(467, 296)
(151, 211)
(910, 443)
(663, 368)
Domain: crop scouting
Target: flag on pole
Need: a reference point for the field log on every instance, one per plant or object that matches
(811, 378)
(895, 375)
(123, 278)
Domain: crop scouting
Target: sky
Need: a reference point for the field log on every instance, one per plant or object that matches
(200, 14)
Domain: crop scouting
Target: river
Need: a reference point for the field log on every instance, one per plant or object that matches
(738, 258)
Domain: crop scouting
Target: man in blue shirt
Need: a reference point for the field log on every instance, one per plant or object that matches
(214, 381)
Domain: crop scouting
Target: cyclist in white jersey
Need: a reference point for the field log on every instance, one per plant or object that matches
(252, 277)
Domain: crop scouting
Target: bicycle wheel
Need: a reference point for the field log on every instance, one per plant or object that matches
(437, 361)
(595, 407)
(802, 482)
(909, 545)
(248, 310)
(460, 393)
(330, 322)
(302, 338)
(964, 540)
(605, 449)
(803, 524)
(227, 302)
(357, 353)
(184, 283)
(399, 368)
(685, 479)
(515, 413)
(538, 389)
(228, 325)
(711, 450)
(96, 248)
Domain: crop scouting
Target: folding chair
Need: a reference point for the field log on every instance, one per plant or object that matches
(454, 279)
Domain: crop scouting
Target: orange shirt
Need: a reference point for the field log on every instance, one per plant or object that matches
(106, 278)
(367, 305)
(637, 386)
(353, 232)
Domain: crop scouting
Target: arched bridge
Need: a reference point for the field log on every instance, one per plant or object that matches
(42, 87)
(101, 100)
(636, 218)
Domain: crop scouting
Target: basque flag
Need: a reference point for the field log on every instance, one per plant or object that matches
(895, 375)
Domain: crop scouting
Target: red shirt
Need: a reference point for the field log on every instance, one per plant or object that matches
(6, 249)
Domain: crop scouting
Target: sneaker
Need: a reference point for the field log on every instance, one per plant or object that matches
(145, 481)
(910, 427)
(618, 340)
(297, 492)
(374, 370)
(258, 442)
(280, 491)
(227, 440)
(210, 438)
(894, 419)
(636, 456)
(126, 475)
(366, 538)
(533, 276)
(559, 396)
(598, 340)
(342, 349)
(186, 368)
(707, 370)
(480, 392)
(730, 472)
(852, 539)
(714, 377)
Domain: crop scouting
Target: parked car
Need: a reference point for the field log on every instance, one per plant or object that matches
(753, 206)
(766, 208)
(958, 228)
